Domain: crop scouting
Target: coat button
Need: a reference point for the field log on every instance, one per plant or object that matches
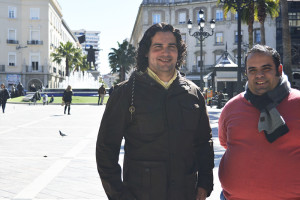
(172, 182)
(147, 170)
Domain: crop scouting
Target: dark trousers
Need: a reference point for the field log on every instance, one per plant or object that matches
(67, 104)
(3, 104)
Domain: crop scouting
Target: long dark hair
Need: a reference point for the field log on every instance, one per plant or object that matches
(145, 43)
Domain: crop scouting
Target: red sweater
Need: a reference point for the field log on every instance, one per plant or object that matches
(252, 168)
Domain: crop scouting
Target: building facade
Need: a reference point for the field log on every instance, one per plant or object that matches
(294, 23)
(178, 12)
(30, 32)
(92, 38)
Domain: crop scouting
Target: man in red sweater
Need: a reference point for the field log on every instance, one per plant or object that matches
(260, 129)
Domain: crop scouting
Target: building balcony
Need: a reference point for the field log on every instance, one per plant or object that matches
(12, 41)
(2, 68)
(34, 69)
(35, 42)
(196, 70)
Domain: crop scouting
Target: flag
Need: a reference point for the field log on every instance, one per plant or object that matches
(81, 39)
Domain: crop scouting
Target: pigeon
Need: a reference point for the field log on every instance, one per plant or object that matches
(62, 134)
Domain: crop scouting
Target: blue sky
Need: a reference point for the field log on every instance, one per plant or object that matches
(113, 18)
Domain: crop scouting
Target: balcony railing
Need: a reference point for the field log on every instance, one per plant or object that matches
(169, 2)
(2, 68)
(196, 70)
(34, 68)
(12, 41)
(35, 42)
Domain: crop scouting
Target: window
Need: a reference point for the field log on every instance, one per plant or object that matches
(12, 12)
(12, 36)
(11, 59)
(219, 38)
(35, 62)
(229, 15)
(219, 15)
(218, 57)
(294, 19)
(34, 13)
(156, 18)
(182, 18)
(35, 35)
(236, 15)
(257, 36)
(236, 37)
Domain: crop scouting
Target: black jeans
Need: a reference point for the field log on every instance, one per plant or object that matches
(3, 104)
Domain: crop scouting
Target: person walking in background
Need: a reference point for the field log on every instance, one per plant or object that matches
(67, 98)
(36, 97)
(51, 99)
(163, 118)
(45, 99)
(4, 95)
(20, 89)
(101, 92)
(260, 130)
(111, 89)
(220, 100)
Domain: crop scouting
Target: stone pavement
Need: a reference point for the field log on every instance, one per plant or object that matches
(38, 164)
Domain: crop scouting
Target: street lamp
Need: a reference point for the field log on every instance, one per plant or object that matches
(201, 35)
(238, 5)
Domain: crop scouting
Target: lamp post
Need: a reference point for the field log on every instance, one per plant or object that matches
(238, 5)
(201, 35)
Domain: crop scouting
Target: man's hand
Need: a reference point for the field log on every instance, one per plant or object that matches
(201, 194)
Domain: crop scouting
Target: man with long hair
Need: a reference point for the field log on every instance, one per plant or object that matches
(162, 117)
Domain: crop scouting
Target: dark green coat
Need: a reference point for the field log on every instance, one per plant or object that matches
(168, 147)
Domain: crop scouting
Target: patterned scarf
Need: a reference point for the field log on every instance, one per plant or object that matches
(270, 120)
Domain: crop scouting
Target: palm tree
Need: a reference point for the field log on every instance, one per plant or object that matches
(247, 17)
(67, 52)
(262, 8)
(286, 40)
(79, 61)
(122, 58)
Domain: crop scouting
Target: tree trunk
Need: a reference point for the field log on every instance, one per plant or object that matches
(286, 40)
(262, 34)
(250, 32)
(250, 25)
(122, 74)
(261, 15)
(67, 67)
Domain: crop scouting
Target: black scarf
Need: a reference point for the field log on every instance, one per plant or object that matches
(270, 120)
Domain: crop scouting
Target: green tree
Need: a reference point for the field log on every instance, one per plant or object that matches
(262, 8)
(121, 59)
(68, 53)
(286, 40)
(247, 16)
(79, 61)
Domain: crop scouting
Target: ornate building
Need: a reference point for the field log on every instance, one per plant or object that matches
(178, 12)
(30, 31)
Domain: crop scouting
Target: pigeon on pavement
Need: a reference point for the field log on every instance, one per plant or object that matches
(62, 134)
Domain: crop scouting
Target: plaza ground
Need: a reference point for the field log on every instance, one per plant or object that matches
(38, 164)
